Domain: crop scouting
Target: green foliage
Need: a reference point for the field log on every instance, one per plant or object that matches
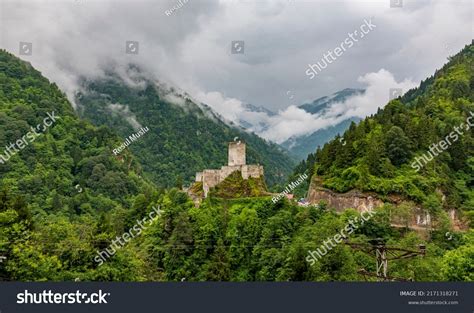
(53, 191)
(458, 264)
(65, 197)
(234, 186)
(381, 152)
(184, 137)
(397, 145)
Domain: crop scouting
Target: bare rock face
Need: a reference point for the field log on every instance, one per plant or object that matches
(416, 218)
(340, 201)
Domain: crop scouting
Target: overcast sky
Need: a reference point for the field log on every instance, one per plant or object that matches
(191, 48)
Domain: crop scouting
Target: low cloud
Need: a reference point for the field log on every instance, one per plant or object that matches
(124, 111)
(376, 95)
(191, 50)
(294, 121)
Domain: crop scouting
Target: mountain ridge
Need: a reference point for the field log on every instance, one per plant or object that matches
(184, 136)
(301, 146)
(378, 154)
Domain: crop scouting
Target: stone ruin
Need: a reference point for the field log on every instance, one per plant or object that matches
(236, 162)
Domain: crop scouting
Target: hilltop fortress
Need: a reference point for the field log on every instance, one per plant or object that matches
(236, 162)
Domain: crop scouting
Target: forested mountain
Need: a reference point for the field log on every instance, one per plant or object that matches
(320, 105)
(65, 197)
(301, 146)
(57, 180)
(184, 137)
(384, 152)
(63, 155)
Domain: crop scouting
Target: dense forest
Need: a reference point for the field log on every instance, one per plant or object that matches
(184, 137)
(66, 196)
(388, 152)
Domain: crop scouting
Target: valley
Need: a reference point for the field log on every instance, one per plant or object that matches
(52, 230)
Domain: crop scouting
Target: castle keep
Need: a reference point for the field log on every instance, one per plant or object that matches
(236, 162)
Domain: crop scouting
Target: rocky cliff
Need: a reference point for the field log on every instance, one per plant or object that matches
(417, 218)
(340, 201)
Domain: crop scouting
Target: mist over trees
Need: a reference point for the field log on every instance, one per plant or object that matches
(66, 196)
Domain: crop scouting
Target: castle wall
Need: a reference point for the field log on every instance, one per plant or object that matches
(252, 171)
(236, 159)
(227, 170)
(210, 178)
(199, 176)
(236, 154)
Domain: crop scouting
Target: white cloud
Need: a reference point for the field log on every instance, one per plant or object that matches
(124, 111)
(229, 108)
(376, 95)
(191, 49)
(294, 121)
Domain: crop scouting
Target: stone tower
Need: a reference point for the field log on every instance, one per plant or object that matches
(236, 153)
(237, 162)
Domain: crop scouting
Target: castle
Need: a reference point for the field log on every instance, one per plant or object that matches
(236, 162)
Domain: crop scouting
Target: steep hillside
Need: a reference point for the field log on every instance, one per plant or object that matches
(65, 199)
(48, 164)
(59, 182)
(184, 137)
(419, 146)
